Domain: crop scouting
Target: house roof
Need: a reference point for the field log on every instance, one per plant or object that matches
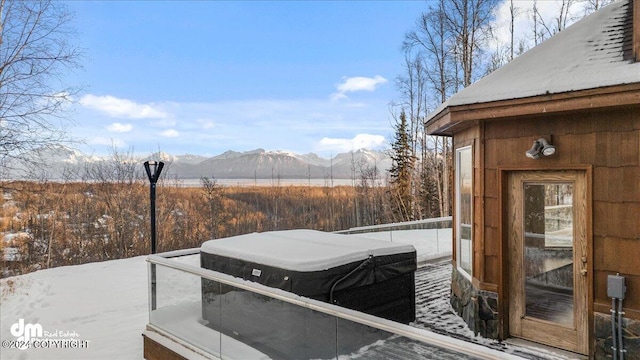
(595, 52)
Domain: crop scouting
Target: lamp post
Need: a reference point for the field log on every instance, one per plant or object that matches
(153, 168)
(153, 175)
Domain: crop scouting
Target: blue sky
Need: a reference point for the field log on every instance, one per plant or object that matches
(204, 77)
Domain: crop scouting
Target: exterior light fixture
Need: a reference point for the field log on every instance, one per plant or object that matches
(540, 146)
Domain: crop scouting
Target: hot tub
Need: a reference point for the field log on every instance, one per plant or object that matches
(368, 275)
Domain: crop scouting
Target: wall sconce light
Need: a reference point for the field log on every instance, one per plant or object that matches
(540, 146)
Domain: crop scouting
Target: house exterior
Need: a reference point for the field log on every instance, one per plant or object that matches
(547, 190)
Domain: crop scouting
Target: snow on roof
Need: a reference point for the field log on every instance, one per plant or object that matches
(302, 250)
(592, 53)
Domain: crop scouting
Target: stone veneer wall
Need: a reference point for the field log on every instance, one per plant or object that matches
(630, 334)
(479, 310)
(476, 307)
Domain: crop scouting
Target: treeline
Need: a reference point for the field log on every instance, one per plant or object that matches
(452, 44)
(50, 224)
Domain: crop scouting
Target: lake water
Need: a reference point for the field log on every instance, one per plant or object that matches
(272, 182)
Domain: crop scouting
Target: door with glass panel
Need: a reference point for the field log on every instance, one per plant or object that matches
(548, 287)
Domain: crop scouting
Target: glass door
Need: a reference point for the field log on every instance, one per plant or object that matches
(548, 258)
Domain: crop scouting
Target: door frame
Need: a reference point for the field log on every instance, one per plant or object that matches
(505, 259)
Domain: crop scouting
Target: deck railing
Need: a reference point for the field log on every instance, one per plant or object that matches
(433, 223)
(195, 306)
(432, 238)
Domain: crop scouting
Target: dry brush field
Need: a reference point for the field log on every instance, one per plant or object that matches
(50, 224)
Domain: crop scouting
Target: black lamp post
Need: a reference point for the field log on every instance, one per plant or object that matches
(153, 168)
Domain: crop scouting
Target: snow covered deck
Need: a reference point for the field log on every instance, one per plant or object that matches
(439, 328)
(105, 307)
(179, 312)
(437, 332)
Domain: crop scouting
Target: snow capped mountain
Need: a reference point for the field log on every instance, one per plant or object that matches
(361, 156)
(168, 158)
(50, 162)
(314, 159)
(257, 164)
(63, 162)
(355, 162)
(190, 159)
(60, 154)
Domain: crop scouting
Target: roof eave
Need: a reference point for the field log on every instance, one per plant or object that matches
(452, 119)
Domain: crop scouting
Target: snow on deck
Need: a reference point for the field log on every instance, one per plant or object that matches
(105, 305)
(433, 312)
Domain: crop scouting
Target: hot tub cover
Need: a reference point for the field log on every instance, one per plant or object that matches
(368, 275)
(302, 250)
(310, 263)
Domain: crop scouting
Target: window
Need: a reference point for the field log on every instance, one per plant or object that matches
(464, 206)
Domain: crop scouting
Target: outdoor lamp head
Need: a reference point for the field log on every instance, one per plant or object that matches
(547, 149)
(534, 152)
(153, 174)
(540, 146)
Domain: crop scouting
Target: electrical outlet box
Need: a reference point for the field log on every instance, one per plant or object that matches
(616, 287)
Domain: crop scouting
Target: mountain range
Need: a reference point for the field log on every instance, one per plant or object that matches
(255, 164)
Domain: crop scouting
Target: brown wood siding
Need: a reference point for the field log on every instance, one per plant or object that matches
(609, 143)
(155, 351)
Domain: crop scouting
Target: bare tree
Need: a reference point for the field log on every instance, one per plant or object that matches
(120, 210)
(213, 193)
(468, 21)
(431, 62)
(546, 28)
(428, 80)
(35, 54)
(593, 5)
(443, 54)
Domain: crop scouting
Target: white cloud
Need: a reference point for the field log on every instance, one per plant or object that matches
(170, 133)
(360, 83)
(216, 127)
(119, 128)
(338, 96)
(356, 83)
(122, 108)
(359, 141)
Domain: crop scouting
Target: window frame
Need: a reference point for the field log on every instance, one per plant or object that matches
(458, 202)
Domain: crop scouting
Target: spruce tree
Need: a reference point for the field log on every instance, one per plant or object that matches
(400, 172)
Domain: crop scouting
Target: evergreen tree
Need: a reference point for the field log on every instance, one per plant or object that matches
(403, 160)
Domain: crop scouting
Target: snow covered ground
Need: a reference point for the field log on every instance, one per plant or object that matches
(101, 308)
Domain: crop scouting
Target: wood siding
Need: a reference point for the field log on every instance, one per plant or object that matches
(155, 351)
(607, 143)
